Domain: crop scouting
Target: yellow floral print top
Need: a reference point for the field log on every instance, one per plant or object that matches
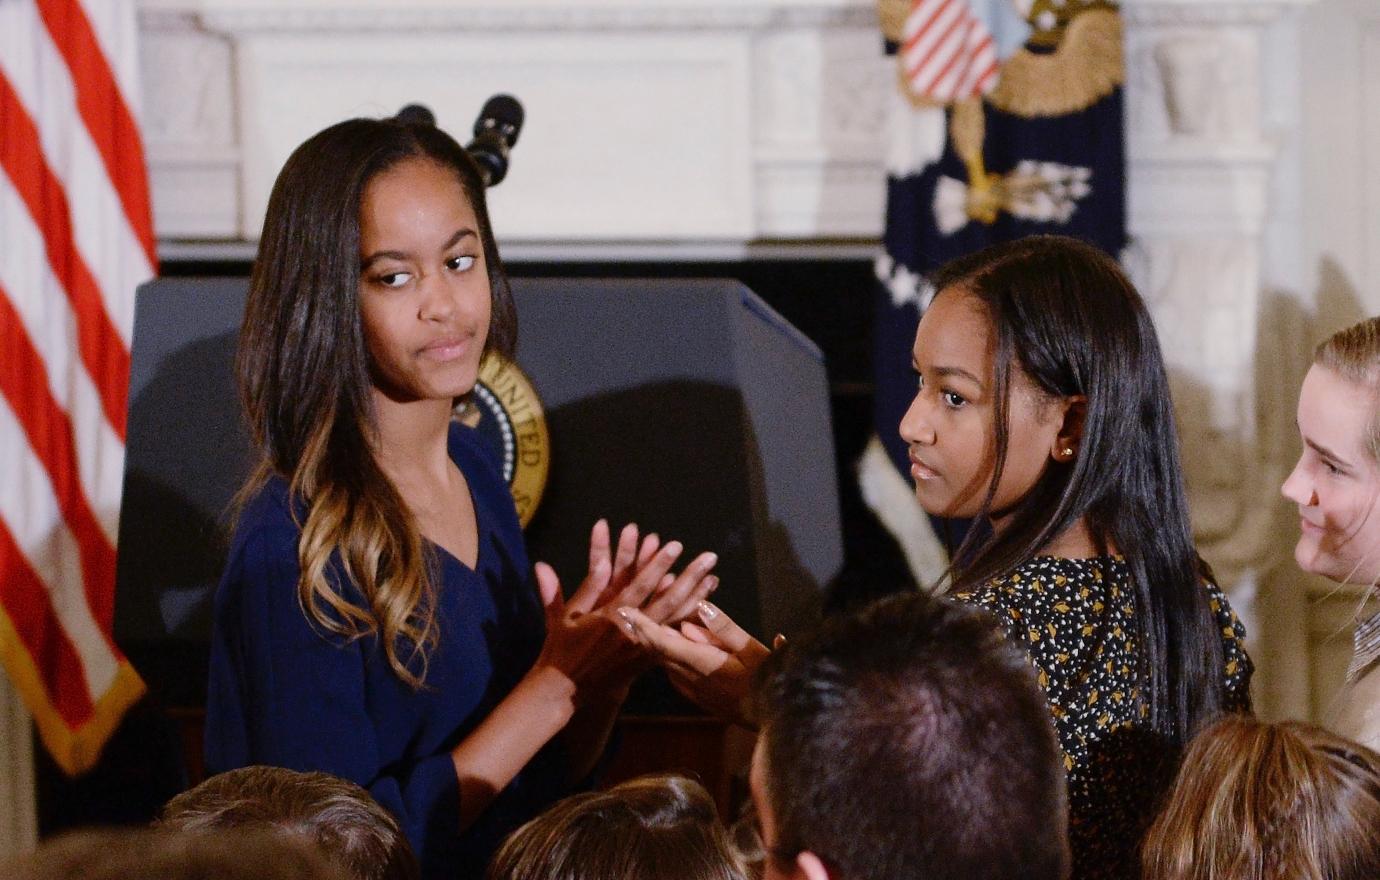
(1075, 619)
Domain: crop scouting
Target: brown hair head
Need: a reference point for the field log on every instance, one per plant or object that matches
(1354, 354)
(338, 815)
(1261, 801)
(156, 854)
(649, 828)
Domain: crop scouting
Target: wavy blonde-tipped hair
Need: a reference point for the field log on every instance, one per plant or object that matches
(1354, 354)
(1259, 801)
(305, 384)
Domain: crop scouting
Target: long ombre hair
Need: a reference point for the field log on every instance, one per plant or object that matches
(305, 385)
(1066, 315)
(1258, 801)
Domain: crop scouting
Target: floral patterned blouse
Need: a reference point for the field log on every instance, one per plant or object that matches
(1075, 618)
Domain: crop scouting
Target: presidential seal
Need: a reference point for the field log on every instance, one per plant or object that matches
(508, 415)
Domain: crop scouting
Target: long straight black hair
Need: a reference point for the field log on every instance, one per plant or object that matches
(304, 378)
(1065, 314)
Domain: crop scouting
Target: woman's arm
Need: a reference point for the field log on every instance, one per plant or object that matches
(586, 665)
(285, 693)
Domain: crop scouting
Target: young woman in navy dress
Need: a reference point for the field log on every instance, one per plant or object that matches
(376, 618)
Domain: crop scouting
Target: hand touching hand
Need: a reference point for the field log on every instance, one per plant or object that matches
(640, 576)
(584, 640)
(712, 663)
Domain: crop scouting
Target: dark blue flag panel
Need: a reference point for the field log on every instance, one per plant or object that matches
(1042, 152)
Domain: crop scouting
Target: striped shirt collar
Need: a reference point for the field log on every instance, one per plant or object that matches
(1366, 647)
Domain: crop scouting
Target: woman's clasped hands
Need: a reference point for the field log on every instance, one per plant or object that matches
(586, 639)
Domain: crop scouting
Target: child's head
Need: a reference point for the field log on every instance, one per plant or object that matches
(306, 357)
(1044, 404)
(339, 816)
(1260, 801)
(649, 828)
(908, 739)
(1336, 482)
(160, 854)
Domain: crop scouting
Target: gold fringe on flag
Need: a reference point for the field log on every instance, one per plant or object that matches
(1086, 67)
(74, 750)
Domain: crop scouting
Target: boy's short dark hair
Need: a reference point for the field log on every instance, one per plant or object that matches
(336, 814)
(912, 740)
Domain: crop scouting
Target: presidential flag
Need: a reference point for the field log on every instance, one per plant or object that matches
(973, 159)
(76, 239)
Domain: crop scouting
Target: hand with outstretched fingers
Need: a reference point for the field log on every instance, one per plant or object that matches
(631, 575)
(640, 576)
(712, 662)
(610, 572)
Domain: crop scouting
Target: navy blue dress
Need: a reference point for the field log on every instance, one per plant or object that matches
(286, 693)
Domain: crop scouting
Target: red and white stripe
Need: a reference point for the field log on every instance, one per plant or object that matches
(76, 239)
(947, 52)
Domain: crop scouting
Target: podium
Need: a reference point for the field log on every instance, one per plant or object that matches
(687, 406)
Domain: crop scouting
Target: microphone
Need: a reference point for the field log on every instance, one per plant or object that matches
(495, 132)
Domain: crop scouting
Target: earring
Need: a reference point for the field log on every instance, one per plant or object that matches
(1068, 451)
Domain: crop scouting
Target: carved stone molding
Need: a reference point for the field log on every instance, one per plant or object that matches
(817, 85)
(189, 125)
(790, 91)
(379, 15)
(19, 818)
(1211, 12)
(1204, 170)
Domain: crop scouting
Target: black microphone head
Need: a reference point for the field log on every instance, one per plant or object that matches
(501, 113)
(416, 114)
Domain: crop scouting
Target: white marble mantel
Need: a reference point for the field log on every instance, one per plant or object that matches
(720, 126)
(652, 121)
(732, 120)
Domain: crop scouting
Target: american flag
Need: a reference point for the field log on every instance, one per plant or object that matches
(76, 239)
(947, 52)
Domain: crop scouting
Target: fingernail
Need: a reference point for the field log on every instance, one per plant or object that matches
(674, 548)
(710, 560)
(707, 611)
(713, 584)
